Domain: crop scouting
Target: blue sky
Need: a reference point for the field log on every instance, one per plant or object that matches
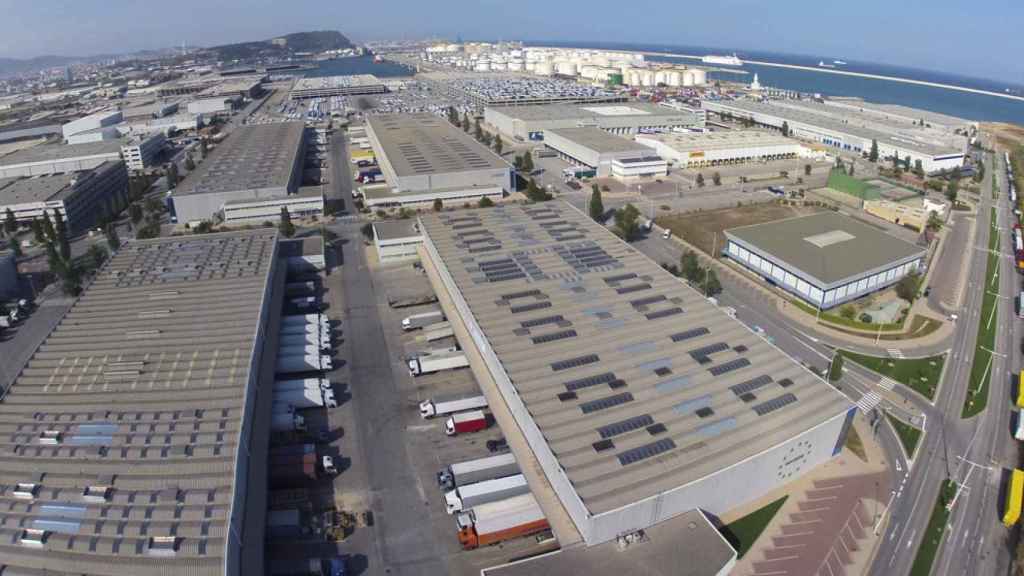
(971, 38)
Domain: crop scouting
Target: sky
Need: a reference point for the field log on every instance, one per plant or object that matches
(980, 39)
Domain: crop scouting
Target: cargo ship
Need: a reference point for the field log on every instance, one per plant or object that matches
(722, 60)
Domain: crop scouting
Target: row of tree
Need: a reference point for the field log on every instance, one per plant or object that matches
(479, 133)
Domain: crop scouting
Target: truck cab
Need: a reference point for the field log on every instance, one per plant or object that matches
(327, 463)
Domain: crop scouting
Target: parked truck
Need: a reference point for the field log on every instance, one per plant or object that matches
(287, 422)
(465, 422)
(307, 363)
(304, 398)
(283, 524)
(301, 319)
(422, 319)
(303, 349)
(441, 406)
(431, 364)
(305, 303)
(322, 329)
(502, 520)
(436, 332)
(315, 383)
(471, 495)
(472, 471)
(307, 339)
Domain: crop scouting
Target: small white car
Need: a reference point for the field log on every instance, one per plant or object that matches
(328, 465)
(666, 234)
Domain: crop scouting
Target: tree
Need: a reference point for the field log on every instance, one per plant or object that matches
(113, 240)
(712, 287)
(438, 205)
(285, 226)
(700, 180)
(37, 230)
(535, 193)
(453, 116)
(934, 222)
(785, 128)
(979, 171)
(10, 222)
(172, 176)
(873, 155)
(689, 265)
(852, 164)
(48, 231)
(485, 202)
(848, 312)
(716, 178)
(596, 207)
(906, 163)
(14, 246)
(190, 164)
(527, 162)
(466, 125)
(63, 242)
(918, 168)
(135, 213)
(952, 190)
(835, 371)
(96, 255)
(498, 144)
(627, 222)
(783, 174)
(478, 131)
(807, 169)
(907, 287)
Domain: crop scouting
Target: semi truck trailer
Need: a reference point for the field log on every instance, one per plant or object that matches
(465, 422)
(305, 303)
(300, 288)
(307, 339)
(299, 349)
(306, 363)
(422, 319)
(304, 398)
(471, 471)
(431, 364)
(291, 319)
(315, 383)
(317, 328)
(436, 332)
(438, 407)
(466, 497)
(502, 520)
(287, 422)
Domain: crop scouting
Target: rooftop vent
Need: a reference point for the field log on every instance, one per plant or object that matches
(34, 537)
(25, 490)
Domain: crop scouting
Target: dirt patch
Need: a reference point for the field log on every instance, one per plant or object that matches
(1007, 135)
(704, 229)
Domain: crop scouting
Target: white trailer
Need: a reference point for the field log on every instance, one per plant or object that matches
(436, 332)
(295, 364)
(302, 383)
(465, 497)
(323, 331)
(1018, 432)
(287, 422)
(305, 398)
(470, 471)
(499, 508)
(306, 264)
(422, 319)
(439, 407)
(305, 303)
(291, 319)
(307, 339)
(431, 364)
(299, 350)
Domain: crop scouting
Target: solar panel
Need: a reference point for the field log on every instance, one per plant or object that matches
(566, 396)
(748, 397)
(656, 429)
(530, 307)
(673, 384)
(619, 278)
(774, 404)
(606, 402)
(741, 349)
(663, 371)
(562, 335)
(785, 382)
(664, 313)
(705, 412)
(645, 301)
(589, 381)
(602, 445)
(523, 294)
(634, 288)
(646, 451)
(751, 385)
(729, 366)
(574, 362)
(709, 349)
(542, 321)
(627, 425)
(617, 383)
(690, 334)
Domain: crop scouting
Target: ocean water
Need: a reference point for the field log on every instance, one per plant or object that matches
(359, 65)
(979, 107)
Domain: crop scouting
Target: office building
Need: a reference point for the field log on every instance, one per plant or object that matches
(256, 162)
(58, 158)
(308, 201)
(397, 241)
(142, 151)
(608, 154)
(137, 433)
(423, 157)
(825, 259)
(639, 399)
(727, 147)
(328, 86)
(82, 198)
(626, 119)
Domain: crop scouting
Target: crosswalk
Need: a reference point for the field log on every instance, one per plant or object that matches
(868, 402)
(887, 383)
(894, 353)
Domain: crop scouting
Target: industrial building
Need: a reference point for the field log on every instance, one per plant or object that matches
(150, 109)
(708, 149)
(423, 158)
(58, 158)
(92, 122)
(249, 87)
(142, 151)
(397, 241)
(327, 86)
(82, 198)
(256, 162)
(530, 122)
(167, 124)
(825, 259)
(308, 201)
(639, 399)
(934, 151)
(137, 433)
(214, 106)
(608, 154)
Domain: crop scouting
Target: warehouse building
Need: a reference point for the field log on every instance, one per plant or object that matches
(327, 86)
(58, 158)
(307, 202)
(639, 399)
(708, 149)
(92, 122)
(825, 259)
(627, 119)
(423, 158)
(142, 151)
(82, 198)
(141, 462)
(935, 153)
(608, 154)
(214, 106)
(397, 241)
(256, 162)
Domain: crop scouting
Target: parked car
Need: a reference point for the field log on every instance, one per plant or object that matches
(573, 184)
(499, 445)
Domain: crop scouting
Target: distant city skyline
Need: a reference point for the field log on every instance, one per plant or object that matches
(941, 35)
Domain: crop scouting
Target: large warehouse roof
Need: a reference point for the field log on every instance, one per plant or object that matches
(420, 144)
(593, 111)
(54, 152)
(121, 434)
(828, 246)
(38, 189)
(636, 382)
(723, 140)
(252, 157)
(599, 140)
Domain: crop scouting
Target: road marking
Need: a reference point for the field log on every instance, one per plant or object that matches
(895, 353)
(868, 402)
(887, 383)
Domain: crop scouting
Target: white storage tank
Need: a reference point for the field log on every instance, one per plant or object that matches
(544, 69)
(567, 68)
(700, 77)
(530, 66)
(515, 65)
(675, 79)
(499, 66)
(634, 78)
(647, 78)
(687, 77)
(482, 66)
(661, 77)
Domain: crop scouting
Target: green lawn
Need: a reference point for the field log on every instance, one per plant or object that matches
(835, 318)
(744, 532)
(920, 374)
(933, 534)
(981, 366)
(839, 180)
(909, 435)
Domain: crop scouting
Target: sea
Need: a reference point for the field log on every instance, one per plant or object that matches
(979, 107)
(359, 65)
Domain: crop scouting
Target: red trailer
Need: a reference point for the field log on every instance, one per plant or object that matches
(465, 422)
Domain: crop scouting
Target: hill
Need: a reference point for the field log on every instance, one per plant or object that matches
(283, 45)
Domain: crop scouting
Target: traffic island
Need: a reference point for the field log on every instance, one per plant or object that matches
(932, 537)
(919, 374)
(981, 367)
(909, 435)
